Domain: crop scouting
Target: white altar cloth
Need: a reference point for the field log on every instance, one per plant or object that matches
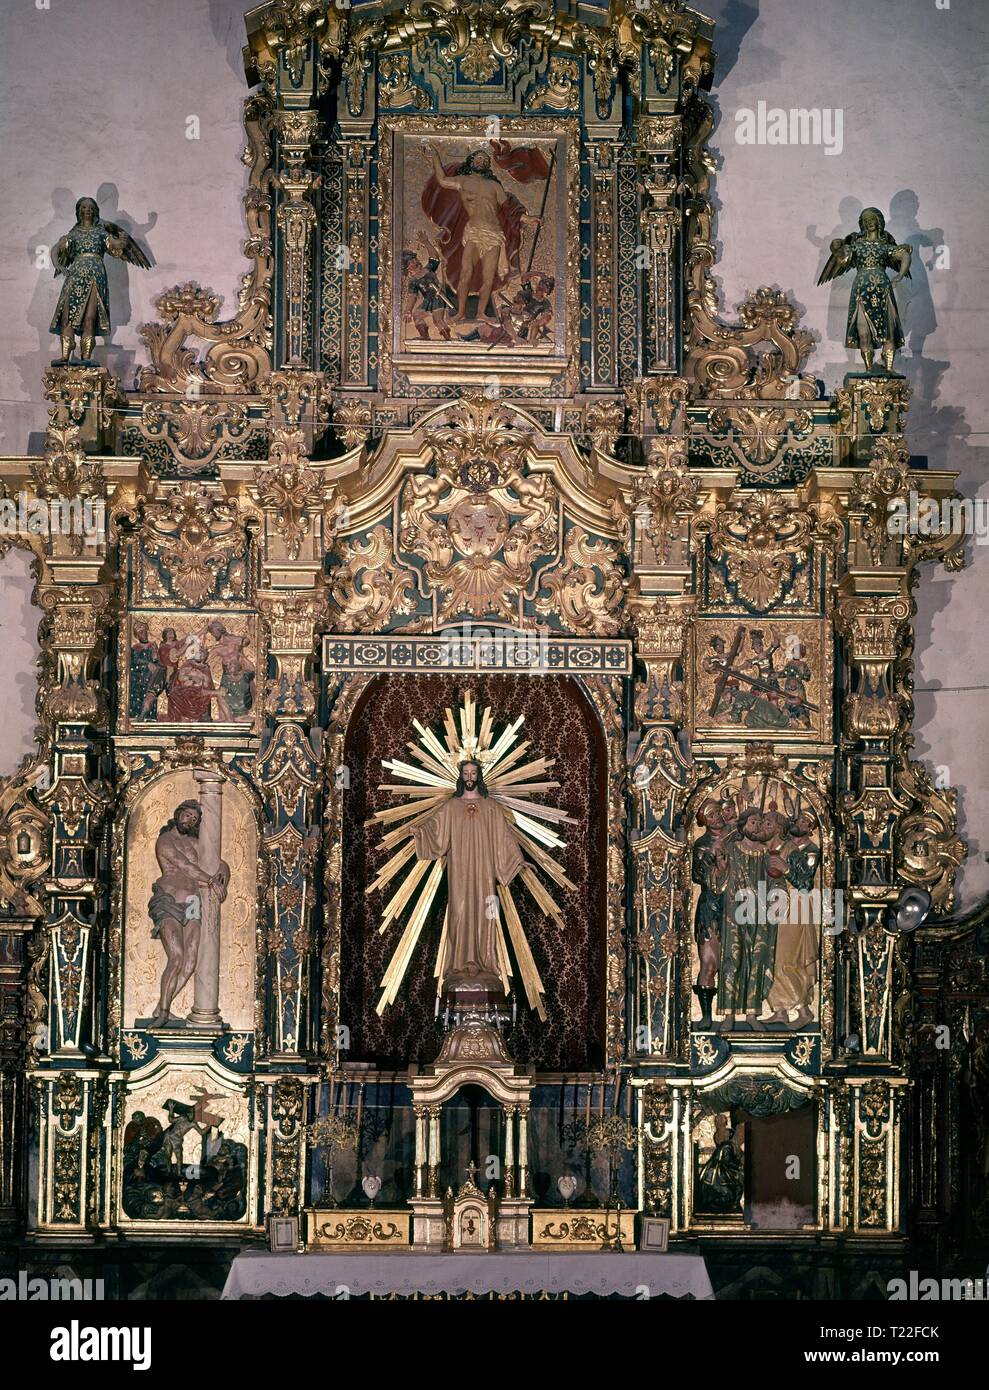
(256, 1273)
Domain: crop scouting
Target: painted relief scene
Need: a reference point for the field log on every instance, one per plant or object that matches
(481, 244)
(188, 669)
(758, 908)
(191, 895)
(762, 676)
(184, 1155)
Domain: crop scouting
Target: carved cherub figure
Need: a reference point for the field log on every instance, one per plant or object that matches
(84, 305)
(873, 318)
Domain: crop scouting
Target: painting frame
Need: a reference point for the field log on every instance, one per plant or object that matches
(154, 801)
(247, 625)
(519, 373)
(806, 663)
(655, 1235)
(163, 1077)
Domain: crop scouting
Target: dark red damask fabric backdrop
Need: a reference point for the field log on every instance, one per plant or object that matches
(561, 724)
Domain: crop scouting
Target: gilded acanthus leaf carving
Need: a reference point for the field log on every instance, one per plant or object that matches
(885, 482)
(479, 448)
(929, 851)
(762, 540)
(290, 487)
(667, 490)
(585, 591)
(193, 532)
(656, 402)
(194, 430)
(369, 587)
(66, 471)
(479, 522)
(760, 432)
(605, 422)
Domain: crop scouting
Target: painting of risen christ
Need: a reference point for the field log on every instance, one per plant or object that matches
(480, 246)
(480, 222)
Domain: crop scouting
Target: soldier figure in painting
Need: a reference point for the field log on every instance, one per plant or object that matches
(143, 669)
(239, 674)
(427, 300)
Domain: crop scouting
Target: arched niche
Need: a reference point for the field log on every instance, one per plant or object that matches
(561, 723)
(144, 955)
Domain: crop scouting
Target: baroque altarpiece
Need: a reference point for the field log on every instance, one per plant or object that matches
(480, 485)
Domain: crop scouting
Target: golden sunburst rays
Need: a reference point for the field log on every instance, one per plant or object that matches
(424, 782)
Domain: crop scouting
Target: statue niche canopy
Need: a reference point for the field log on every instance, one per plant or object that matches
(482, 726)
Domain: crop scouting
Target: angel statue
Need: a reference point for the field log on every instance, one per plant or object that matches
(83, 305)
(873, 320)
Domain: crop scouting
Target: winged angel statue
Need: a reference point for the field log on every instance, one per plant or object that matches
(873, 320)
(84, 305)
(469, 812)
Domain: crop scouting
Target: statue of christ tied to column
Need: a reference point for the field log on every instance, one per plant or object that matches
(185, 905)
(473, 833)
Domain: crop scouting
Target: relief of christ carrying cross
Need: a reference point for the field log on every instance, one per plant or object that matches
(784, 690)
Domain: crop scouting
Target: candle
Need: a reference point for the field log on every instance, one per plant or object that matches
(360, 1108)
(601, 1100)
(587, 1111)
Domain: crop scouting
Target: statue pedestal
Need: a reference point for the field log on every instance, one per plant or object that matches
(84, 395)
(870, 404)
(473, 1054)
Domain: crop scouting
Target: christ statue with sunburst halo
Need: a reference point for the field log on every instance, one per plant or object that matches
(469, 811)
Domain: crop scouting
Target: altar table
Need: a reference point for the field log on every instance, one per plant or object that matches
(257, 1273)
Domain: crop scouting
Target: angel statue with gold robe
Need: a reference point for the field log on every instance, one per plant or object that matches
(84, 305)
(873, 319)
